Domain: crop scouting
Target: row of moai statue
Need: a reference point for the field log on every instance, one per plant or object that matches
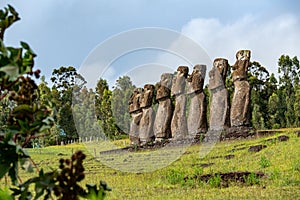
(173, 121)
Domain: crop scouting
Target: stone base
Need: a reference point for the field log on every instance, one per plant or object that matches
(134, 140)
(238, 132)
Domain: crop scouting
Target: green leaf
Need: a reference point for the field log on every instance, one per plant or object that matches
(11, 70)
(5, 195)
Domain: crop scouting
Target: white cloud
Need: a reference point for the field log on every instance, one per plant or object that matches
(266, 38)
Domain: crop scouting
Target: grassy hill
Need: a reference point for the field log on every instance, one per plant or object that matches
(279, 161)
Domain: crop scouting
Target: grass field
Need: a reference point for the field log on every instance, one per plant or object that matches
(279, 161)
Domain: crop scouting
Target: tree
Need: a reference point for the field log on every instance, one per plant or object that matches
(103, 98)
(289, 76)
(27, 118)
(261, 89)
(66, 82)
(120, 97)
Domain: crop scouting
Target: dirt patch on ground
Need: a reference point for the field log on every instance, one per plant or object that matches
(257, 148)
(226, 178)
(203, 165)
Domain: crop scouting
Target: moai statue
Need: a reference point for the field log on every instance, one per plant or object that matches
(219, 107)
(136, 115)
(146, 124)
(239, 115)
(162, 123)
(197, 123)
(179, 123)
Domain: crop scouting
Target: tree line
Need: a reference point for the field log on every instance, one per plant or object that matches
(275, 102)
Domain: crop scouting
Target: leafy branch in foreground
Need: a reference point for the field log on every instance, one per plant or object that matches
(28, 118)
(63, 183)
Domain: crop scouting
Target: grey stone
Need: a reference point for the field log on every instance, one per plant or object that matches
(179, 123)
(219, 107)
(240, 115)
(197, 122)
(162, 123)
(164, 86)
(136, 115)
(146, 124)
(178, 84)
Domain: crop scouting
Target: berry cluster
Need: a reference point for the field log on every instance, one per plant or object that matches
(71, 173)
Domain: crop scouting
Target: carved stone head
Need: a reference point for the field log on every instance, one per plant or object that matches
(164, 86)
(147, 96)
(178, 84)
(243, 55)
(240, 67)
(222, 65)
(135, 100)
(195, 81)
(215, 78)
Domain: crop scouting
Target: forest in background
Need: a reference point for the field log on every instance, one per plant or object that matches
(275, 102)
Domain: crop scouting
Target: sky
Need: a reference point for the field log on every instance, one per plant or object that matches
(67, 32)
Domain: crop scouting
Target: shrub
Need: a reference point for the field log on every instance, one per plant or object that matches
(215, 181)
(264, 162)
(175, 176)
(251, 179)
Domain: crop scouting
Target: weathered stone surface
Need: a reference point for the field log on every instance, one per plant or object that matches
(135, 128)
(222, 65)
(179, 123)
(240, 115)
(134, 101)
(147, 96)
(219, 107)
(178, 83)
(195, 81)
(136, 115)
(146, 124)
(162, 123)
(164, 86)
(197, 122)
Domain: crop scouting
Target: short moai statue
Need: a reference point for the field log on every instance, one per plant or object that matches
(179, 122)
(162, 123)
(240, 115)
(197, 123)
(136, 114)
(219, 106)
(146, 124)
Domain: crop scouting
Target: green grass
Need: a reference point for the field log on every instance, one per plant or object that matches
(280, 161)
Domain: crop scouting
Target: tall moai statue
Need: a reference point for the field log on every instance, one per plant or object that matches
(240, 115)
(219, 106)
(162, 123)
(179, 123)
(136, 114)
(146, 124)
(197, 123)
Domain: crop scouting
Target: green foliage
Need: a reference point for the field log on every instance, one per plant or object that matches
(11, 155)
(66, 82)
(64, 184)
(251, 179)
(264, 162)
(28, 116)
(215, 181)
(175, 176)
(103, 109)
(8, 16)
(5, 194)
(26, 119)
(119, 102)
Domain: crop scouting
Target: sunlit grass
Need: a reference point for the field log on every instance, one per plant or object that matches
(282, 171)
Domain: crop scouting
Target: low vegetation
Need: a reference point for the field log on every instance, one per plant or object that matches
(279, 163)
